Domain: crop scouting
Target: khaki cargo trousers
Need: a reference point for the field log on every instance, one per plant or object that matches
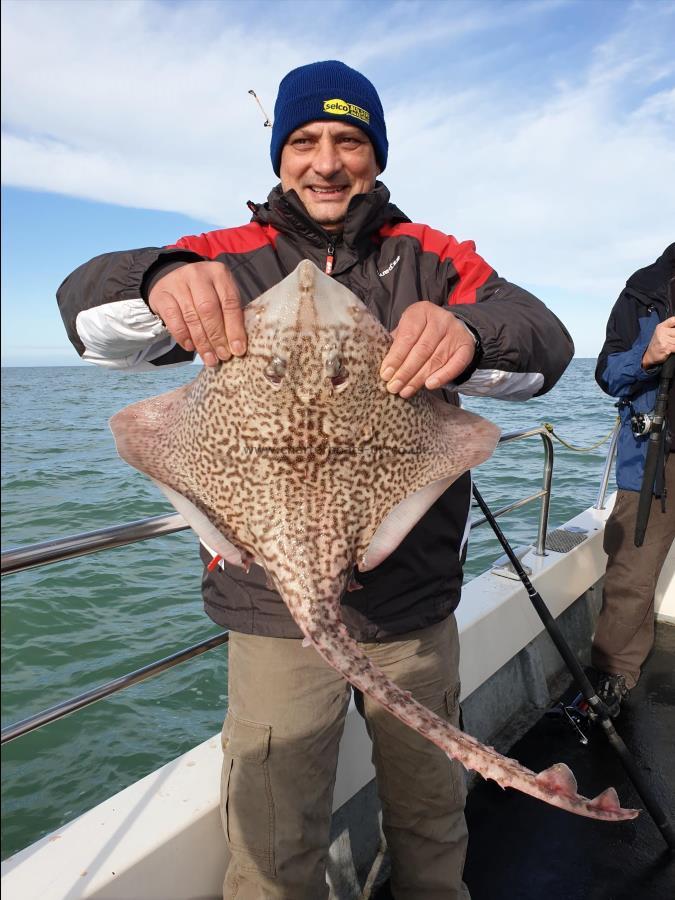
(286, 715)
(624, 633)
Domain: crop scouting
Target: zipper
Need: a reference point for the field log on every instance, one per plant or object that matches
(330, 257)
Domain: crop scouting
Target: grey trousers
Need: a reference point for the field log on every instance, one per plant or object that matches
(286, 714)
(624, 633)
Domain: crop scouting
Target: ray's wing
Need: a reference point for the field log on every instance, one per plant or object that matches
(446, 441)
(144, 431)
(162, 438)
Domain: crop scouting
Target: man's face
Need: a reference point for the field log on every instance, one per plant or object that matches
(326, 164)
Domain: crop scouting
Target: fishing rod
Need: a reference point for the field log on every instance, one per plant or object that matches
(656, 448)
(597, 707)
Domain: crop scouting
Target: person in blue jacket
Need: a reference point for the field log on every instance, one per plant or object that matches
(640, 338)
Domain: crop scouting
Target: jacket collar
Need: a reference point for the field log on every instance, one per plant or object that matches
(366, 214)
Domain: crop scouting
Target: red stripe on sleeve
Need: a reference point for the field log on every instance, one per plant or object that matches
(472, 270)
(243, 239)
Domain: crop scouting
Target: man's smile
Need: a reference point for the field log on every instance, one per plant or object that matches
(328, 192)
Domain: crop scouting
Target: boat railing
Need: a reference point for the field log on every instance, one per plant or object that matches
(609, 462)
(75, 546)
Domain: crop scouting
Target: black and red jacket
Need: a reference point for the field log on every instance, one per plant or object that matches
(389, 262)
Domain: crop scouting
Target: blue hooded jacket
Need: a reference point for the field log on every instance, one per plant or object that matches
(641, 305)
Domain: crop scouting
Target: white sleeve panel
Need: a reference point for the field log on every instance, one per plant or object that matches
(125, 334)
(501, 385)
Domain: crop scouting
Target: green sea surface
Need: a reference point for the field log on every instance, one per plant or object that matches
(71, 626)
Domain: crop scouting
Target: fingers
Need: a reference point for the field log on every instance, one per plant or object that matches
(661, 345)
(431, 347)
(405, 337)
(179, 312)
(667, 333)
(201, 312)
(201, 307)
(232, 312)
(164, 305)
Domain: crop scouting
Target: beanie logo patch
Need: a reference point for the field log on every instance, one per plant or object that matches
(341, 108)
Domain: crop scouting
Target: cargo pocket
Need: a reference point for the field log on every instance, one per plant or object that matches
(457, 770)
(246, 795)
(452, 704)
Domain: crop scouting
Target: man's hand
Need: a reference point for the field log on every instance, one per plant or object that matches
(431, 347)
(200, 305)
(661, 345)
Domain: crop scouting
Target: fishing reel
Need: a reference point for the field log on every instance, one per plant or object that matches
(641, 423)
(576, 714)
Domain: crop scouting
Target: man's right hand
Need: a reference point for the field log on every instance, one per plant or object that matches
(200, 305)
(661, 345)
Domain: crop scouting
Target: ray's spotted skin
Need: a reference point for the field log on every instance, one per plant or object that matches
(297, 457)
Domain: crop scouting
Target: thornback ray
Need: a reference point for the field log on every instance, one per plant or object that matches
(296, 456)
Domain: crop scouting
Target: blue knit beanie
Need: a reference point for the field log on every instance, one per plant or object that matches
(332, 91)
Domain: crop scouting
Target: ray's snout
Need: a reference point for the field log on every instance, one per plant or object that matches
(306, 271)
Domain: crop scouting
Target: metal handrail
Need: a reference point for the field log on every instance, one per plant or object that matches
(544, 493)
(35, 555)
(110, 687)
(600, 502)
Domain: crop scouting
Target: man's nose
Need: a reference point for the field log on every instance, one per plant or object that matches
(327, 160)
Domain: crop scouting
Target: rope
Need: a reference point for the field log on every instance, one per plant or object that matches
(551, 430)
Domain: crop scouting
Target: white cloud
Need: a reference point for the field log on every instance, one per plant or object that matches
(135, 112)
(565, 186)
(567, 195)
(419, 27)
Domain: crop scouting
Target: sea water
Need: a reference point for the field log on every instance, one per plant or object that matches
(71, 626)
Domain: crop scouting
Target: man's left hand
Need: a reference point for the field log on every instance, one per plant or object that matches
(431, 347)
(661, 345)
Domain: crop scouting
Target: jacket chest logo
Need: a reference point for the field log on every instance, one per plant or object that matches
(389, 268)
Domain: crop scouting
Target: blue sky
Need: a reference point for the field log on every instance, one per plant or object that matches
(544, 131)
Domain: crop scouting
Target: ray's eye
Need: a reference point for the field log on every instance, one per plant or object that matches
(340, 378)
(336, 371)
(275, 371)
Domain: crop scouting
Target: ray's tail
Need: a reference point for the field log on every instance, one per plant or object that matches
(556, 785)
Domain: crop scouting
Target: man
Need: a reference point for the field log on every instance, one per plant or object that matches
(455, 322)
(640, 337)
